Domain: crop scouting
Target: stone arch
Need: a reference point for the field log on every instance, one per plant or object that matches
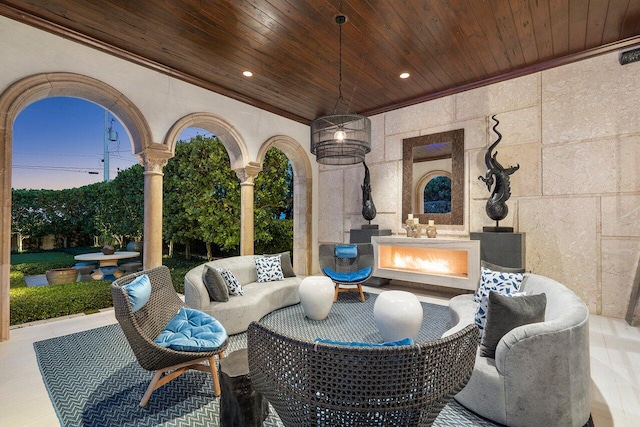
(421, 184)
(302, 196)
(34, 88)
(225, 131)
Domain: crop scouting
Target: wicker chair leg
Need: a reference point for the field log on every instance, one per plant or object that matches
(159, 379)
(214, 375)
(358, 288)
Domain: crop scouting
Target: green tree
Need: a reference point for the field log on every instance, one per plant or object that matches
(201, 196)
(27, 219)
(437, 195)
(128, 204)
(273, 204)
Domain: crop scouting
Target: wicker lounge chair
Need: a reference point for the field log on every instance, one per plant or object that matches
(347, 267)
(143, 326)
(312, 384)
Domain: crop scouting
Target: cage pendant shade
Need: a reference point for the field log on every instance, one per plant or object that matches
(340, 139)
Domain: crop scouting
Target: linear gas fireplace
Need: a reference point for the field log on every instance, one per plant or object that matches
(445, 262)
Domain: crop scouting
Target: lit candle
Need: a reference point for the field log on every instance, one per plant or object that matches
(416, 220)
(430, 222)
(410, 216)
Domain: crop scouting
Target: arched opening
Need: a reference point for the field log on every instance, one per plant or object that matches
(238, 158)
(23, 93)
(201, 198)
(302, 174)
(433, 193)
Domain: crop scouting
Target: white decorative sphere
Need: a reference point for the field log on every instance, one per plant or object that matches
(398, 315)
(316, 296)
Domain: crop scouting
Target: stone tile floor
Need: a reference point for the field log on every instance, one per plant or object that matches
(615, 367)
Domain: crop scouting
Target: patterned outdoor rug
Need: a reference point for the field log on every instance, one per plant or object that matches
(94, 379)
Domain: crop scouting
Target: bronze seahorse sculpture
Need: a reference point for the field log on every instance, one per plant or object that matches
(496, 205)
(368, 208)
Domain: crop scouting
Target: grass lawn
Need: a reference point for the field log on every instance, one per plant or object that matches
(40, 303)
(37, 257)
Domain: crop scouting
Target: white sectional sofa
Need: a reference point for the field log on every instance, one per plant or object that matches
(540, 375)
(258, 300)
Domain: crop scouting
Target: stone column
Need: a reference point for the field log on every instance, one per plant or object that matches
(5, 231)
(246, 176)
(153, 164)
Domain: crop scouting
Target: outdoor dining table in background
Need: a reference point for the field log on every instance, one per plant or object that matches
(108, 268)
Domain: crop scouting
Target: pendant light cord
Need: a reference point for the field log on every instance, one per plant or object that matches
(340, 19)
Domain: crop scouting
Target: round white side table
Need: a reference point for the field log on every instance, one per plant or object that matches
(398, 315)
(316, 296)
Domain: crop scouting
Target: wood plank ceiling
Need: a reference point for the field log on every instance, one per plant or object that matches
(292, 46)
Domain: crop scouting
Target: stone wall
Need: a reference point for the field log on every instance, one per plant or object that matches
(574, 130)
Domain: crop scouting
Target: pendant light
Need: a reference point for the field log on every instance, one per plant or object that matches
(340, 139)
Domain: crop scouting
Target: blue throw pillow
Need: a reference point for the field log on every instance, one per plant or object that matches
(404, 341)
(346, 251)
(139, 291)
(192, 330)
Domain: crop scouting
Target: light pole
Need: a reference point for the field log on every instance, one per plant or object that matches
(110, 135)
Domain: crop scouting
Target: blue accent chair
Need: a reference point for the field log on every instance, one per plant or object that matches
(349, 266)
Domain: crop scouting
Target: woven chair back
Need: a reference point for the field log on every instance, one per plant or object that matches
(328, 258)
(143, 326)
(311, 384)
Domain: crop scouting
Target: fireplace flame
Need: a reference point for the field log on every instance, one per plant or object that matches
(432, 265)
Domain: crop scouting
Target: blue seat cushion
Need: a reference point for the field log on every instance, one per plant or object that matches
(346, 251)
(351, 277)
(404, 341)
(192, 330)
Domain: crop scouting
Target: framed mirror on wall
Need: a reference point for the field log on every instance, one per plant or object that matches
(433, 177)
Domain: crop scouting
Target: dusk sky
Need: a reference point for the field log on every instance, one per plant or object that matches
(58, 141)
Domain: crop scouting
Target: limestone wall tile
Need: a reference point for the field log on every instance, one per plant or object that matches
(386, 181)
(600, 166)
(353, 178)
(510, 95)
(331, 206)
(477, 167)
(427, 114)
(393, 145)
(621, 215)
(590, 99)
(516, 126)
(563, 245)
(377, 153)
(475, 134)
(619, 264)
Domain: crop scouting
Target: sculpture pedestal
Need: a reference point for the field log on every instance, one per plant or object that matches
(363, 235)
(505, 249)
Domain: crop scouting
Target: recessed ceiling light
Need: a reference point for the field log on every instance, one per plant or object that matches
(404, 75)
(247, 73)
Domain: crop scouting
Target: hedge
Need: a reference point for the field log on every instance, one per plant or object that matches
(45, 302)
(40, 303)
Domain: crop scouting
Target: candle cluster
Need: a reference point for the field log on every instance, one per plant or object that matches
(412, 220)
